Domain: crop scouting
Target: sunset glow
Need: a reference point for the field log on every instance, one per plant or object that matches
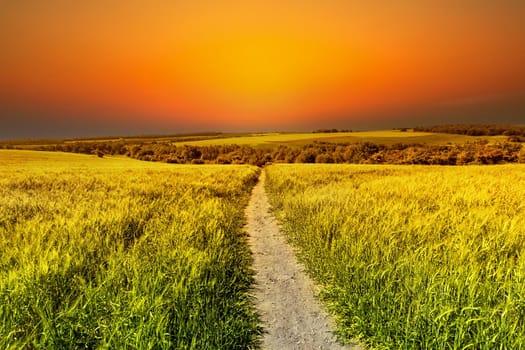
(233, 65)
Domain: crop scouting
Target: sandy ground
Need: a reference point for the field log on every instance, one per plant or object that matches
(285, 297)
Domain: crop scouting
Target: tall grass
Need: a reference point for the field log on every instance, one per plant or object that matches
(116, 253)
(412, 257)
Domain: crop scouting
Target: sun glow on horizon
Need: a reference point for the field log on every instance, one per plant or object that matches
(260, 64)
(260, 73)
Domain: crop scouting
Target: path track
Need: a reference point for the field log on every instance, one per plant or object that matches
(285, 297)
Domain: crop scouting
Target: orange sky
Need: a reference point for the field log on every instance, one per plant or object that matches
(257, 65)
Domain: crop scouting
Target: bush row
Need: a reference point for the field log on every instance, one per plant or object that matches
(476, 130)
(478, 152)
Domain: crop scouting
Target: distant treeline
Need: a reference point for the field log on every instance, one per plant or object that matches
(477, 130)
(478, 152)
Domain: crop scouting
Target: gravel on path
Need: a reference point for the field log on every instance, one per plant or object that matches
(285, 297)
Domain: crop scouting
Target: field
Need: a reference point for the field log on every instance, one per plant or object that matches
(387, 137)
(370, 147)
(412, 257)
(117, 253)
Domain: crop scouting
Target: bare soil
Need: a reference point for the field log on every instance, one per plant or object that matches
(292, 316)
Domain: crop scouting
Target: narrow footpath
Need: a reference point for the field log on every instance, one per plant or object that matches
(285, 297)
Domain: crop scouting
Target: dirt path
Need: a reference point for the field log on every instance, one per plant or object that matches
(285, 297)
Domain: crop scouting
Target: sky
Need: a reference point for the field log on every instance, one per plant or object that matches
(108, 67)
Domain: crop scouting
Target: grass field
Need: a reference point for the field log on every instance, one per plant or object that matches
(412, 257)
(387, 137)
(116, 253)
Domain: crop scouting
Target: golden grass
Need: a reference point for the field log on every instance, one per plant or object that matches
(412, 257)
(387, 137)
(118, 253)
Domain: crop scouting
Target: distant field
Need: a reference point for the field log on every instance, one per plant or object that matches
(258, 140)
(32, 143)
(116, 253)
(23, 160)
(412, 257)
(379, 137)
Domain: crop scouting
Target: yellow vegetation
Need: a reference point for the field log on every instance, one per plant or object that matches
(412, 257)
(118, 253)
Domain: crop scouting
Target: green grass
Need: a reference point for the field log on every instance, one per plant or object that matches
(115, 253)
(412, 257)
